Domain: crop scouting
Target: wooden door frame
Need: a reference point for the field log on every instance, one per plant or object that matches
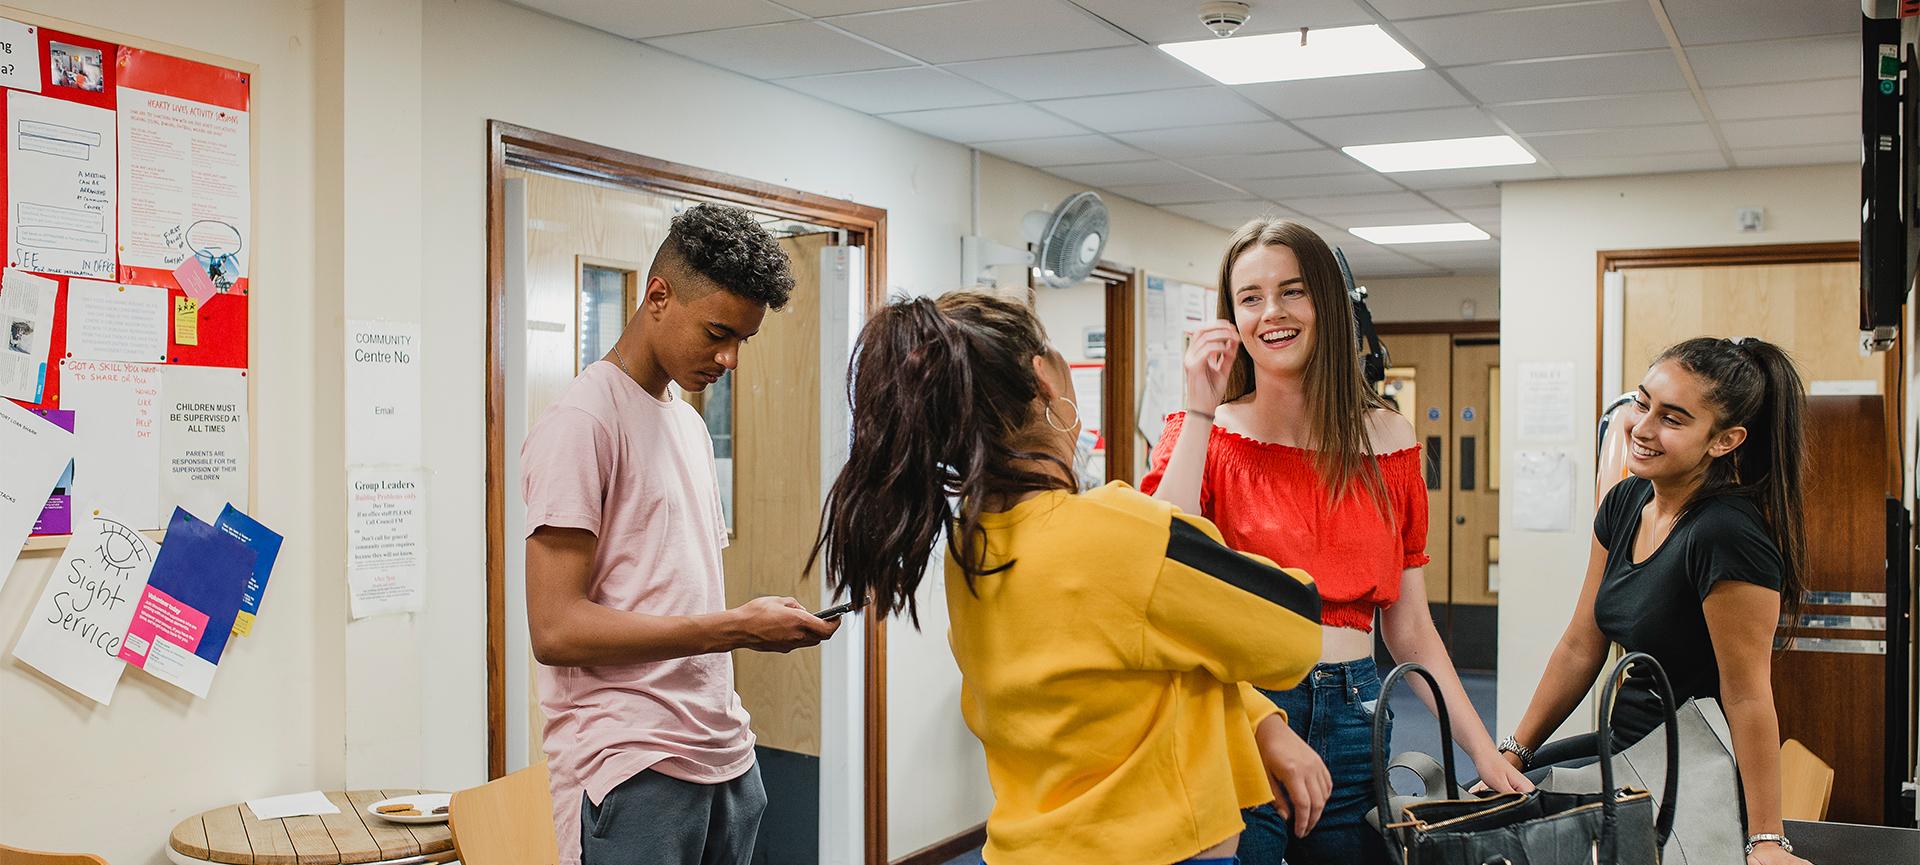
(510, 145)
(1832, 252)
(1123, 285)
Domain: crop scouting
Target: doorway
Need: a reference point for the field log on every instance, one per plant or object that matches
(1092, 324)
(572, 230)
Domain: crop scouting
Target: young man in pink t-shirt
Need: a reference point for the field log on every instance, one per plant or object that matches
(647, 744)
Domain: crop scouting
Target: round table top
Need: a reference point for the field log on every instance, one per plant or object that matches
(230, 835)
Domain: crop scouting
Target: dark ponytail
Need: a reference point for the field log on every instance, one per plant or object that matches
(1753, 383)
(943, 393)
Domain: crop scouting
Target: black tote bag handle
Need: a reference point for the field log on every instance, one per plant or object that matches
(1380, 787)
(1663, 825)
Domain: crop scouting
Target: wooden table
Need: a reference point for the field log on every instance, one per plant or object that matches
(231, 836)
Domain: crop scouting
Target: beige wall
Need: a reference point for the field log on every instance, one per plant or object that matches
(1436, 298)
(1554, 229)
(114, 779)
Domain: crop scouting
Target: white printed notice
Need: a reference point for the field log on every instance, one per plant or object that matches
(60, 186)
(117, 322)
(383, 393)
(37, 453)
(26, 325)
(1544, 397)
(386, 540)
(75, 632)
(19, 56)
(117, 438)
(203, 439)
(183, 183)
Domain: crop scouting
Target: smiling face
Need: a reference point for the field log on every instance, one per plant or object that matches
(697, 339)
(1671, 426)
(1272, 309)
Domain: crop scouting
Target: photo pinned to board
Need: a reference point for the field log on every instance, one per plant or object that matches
(216, 245)
(77, 67)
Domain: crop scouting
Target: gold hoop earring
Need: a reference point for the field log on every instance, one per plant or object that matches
(1055, 422)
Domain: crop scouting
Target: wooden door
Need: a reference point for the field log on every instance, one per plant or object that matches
(1811, 310)
(1420, 385)
(1474, 519)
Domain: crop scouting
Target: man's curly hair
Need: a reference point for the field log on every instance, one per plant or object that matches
(726, 246)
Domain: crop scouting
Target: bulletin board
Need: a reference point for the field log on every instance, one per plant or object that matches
(129, 189)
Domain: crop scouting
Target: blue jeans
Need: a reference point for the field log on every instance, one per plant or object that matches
(1332, 709)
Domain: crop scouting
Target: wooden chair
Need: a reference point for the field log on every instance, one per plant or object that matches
(1806, 783)
(17, 856)
(507, 821)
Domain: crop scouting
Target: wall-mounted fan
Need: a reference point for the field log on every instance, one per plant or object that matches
(1067, 244)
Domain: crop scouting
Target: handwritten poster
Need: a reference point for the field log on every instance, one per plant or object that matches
(183, 183)
(117, 437)
(26, 333)
(36, 454)
(106, 321)
(60, 186)
(203, 439)
(19, 56)
(75, 631)
(386, 540)
(383, 393)
(185, 615)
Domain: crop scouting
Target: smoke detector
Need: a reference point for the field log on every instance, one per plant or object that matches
(1223, 18)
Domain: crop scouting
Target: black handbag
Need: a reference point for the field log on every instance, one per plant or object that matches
(1616, 826)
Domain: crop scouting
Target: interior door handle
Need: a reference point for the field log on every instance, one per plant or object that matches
(1466, 464)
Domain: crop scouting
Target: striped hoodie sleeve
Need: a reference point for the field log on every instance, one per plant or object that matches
(1235, 615)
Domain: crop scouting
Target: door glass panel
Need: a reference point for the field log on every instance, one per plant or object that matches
(603, 310)
(1398, 389)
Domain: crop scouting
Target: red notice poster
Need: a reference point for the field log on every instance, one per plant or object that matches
(185, 168)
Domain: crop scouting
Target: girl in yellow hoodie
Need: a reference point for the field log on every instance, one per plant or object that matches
(1108, 644)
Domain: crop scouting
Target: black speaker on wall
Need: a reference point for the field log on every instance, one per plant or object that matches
(1887, 177)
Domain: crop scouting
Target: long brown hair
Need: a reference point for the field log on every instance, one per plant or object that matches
(1753, 383)
(1338, 398)
(943, 394)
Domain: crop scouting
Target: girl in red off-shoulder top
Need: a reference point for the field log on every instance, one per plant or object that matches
(1286, 449)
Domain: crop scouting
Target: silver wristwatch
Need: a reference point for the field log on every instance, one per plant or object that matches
(1765, 837)
(1510, 745)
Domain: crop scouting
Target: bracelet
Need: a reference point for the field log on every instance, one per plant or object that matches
(1205, 414)
(1510, 745)
(1768, 838)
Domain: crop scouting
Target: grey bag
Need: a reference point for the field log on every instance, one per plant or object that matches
(1707, 827)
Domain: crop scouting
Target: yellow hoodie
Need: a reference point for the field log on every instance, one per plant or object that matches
(1106, 674)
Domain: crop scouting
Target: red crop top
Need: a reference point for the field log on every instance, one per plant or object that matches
(1268, 499)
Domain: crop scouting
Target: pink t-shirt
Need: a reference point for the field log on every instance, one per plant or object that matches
(638, 473)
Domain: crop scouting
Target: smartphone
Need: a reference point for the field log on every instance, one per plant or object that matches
(837, 612)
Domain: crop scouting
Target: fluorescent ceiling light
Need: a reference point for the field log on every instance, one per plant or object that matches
(1436, 232)
(1446, 153)
(1336, 51)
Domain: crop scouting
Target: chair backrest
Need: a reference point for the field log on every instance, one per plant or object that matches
(507, 821)
(1806, 783)
(17, 856)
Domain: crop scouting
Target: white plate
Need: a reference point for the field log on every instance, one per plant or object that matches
(423, 802)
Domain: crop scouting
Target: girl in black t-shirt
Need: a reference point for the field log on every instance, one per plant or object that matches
(1692, 557)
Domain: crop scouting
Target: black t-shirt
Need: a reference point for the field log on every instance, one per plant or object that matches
(1655, 606)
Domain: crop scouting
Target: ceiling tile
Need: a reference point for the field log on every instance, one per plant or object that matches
(1424, 216)
(1221, 140)
(1487, 218)
(1794, 131)
(1236, 212)
(1624, 142)
(1825, 154)
(1640, 109)
(1699, 22)
(1549, 31)
(1299, 163)
(1451, 177)
(1657, 163)
(1157, 21)
(1832, 96)
(1181, 193)
(1471, 196)
(1435, 252)
(1325, 185)
(1160, 109)
(983, 29)
(780, 50)
(1093, 72)
(916, 88)
(1377, 202)
(1354, 94)
(985, 123)
(1066, 150)
(1613, 74)
(644, 21)
(1398, 9)
(819, 8)
(1108, 174)
(1773, 62)
(1429, 125)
